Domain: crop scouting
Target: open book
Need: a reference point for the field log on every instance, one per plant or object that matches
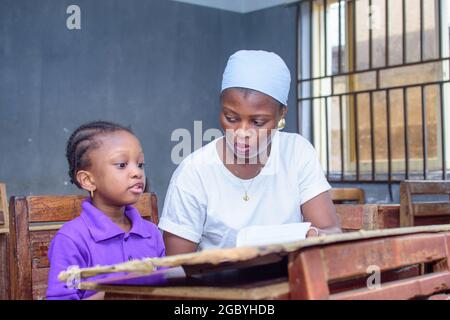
(272, 234)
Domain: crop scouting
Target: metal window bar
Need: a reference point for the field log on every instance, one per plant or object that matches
(353, 95)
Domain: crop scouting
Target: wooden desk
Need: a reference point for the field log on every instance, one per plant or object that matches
(277, 288)
(332, 267)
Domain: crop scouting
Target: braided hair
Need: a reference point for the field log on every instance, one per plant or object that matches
(82, 141)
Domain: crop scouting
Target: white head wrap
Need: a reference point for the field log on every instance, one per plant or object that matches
(258, 70)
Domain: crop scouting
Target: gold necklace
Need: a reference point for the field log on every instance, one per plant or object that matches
(246, 197)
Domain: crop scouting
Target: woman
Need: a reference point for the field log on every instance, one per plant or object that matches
(255, 174)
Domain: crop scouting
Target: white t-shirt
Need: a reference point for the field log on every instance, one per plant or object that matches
(204, 202)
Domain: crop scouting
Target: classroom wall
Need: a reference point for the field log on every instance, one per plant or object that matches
(153, 64)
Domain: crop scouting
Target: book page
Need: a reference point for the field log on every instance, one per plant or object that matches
(272, 234)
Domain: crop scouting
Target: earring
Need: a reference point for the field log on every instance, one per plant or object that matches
(281, 124)
(92, 194)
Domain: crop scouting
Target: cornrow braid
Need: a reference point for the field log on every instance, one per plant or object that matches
(83, 140)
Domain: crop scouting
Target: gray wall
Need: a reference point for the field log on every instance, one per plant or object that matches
(153, 64)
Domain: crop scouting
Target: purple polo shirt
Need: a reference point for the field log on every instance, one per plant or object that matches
(93, 239)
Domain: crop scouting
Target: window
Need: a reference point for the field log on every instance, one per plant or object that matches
(373, 80)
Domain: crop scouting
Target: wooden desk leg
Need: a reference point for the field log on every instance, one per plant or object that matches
(307, 279)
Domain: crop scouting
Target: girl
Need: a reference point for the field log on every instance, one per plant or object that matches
(255, 174)
(106, 160)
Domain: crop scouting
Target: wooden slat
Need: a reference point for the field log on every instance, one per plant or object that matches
(4, 267)
(66, 208)
(49, 227)
(429, 187)
(357, 217)
(388, 216)
(19, 253)
(337, 286)
(256, 291)
(4, 215)
(416, 287)
(40, 283)
(40, 242)
(437, 208)
(54, 208)
(347, 194)
(344, 260)
(307, 276)
(154, 210)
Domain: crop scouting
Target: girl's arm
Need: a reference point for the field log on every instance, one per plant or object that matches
(63, 253)
(321, 213)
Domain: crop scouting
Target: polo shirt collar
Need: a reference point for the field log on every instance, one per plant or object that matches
(102, 228)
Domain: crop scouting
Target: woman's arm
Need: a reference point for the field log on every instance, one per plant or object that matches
(321, 213)
(177, 245)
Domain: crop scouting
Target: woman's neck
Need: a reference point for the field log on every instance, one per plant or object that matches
(115, 213)
(242, 168)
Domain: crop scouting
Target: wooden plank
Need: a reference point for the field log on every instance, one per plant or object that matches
(421, 286)
(337, 286)
(347, 194)
(154, 206)
(307, 276)
(349, 260)
(40, 242)
(40, 283)
(4, 214)
(437, 208)
(429, 186)
(49, 227)
(256, 291)
(20, 253)
(66, 208)
(406, 213)
(4, 268)
(388, 216)
(430, 220)
(357, 217)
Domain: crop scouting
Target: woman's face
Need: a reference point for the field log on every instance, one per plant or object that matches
(248, 118)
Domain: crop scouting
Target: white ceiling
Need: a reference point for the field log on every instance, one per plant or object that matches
(241, 6)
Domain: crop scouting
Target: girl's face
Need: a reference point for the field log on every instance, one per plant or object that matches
(117, 169)
(248, 119)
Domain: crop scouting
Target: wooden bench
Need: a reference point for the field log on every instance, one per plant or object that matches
(341, 195)
(4, 247)
(34, 220)
(413, 212)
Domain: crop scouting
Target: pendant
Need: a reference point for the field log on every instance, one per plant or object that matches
(246, 198)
